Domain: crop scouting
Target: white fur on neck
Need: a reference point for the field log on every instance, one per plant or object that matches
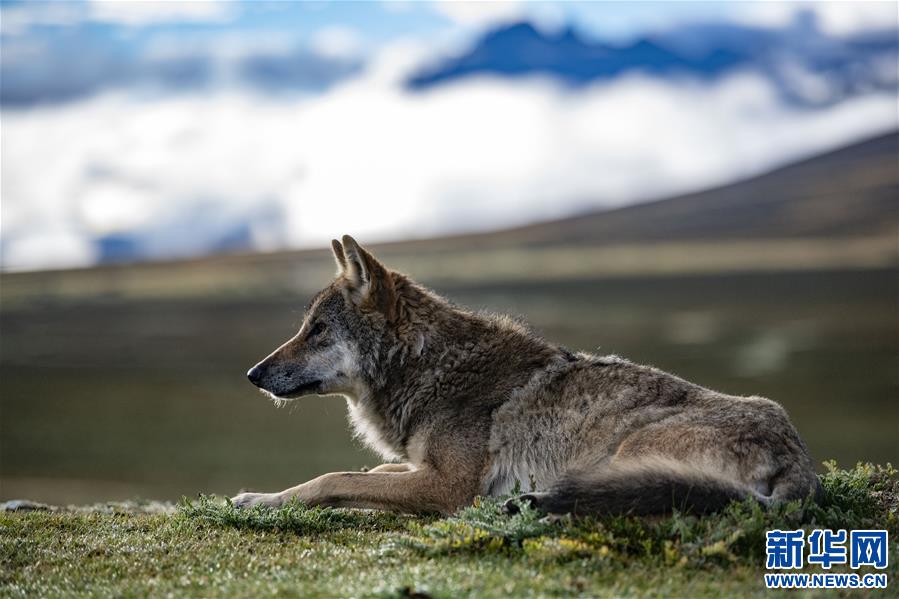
(368, 426)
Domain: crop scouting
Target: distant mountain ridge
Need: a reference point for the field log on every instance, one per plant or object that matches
(807, 66)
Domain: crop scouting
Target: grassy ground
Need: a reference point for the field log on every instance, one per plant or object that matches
(206, 547)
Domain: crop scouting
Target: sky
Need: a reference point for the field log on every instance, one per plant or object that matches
(143, 130)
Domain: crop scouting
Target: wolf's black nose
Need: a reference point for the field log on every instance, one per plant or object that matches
(255, 375)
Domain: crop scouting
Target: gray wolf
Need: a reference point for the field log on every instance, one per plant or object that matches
(463, 404)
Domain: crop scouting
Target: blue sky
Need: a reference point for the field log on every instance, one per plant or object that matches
(375, 21)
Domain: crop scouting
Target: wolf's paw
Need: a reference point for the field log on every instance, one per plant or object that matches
(248, 500)
(513, 506)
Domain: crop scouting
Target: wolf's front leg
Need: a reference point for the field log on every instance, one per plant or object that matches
(248, 500)
(421, 490)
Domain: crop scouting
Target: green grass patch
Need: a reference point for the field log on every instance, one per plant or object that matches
(209, 548)
(864, 497)
(292, 517)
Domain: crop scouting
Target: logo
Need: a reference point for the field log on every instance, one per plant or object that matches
(786, 550)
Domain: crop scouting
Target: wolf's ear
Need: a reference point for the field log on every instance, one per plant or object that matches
(369, 283)
(367, 278)
(339, 257)
(357, 267)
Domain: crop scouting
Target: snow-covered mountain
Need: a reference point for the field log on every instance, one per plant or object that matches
(808, 66)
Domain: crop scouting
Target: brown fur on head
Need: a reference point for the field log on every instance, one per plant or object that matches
(344, 330)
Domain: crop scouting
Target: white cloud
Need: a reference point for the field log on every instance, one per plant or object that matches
(371, 159)
(49, 248)
(337, 42)
(112, 207)
(149, 12)
(835, 17)
(480, 13)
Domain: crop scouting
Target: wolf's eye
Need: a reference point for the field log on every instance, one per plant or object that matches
(316, 329)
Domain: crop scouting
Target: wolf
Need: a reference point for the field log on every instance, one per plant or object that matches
(461, 404)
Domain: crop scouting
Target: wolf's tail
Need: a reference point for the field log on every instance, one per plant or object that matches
(640, 488)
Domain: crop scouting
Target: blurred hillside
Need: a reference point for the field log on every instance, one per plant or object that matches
(836, 210)
(842, 195)
(782, 285)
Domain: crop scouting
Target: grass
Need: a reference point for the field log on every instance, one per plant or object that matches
(207, 547)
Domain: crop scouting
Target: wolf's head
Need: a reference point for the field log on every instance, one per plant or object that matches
(342, 335)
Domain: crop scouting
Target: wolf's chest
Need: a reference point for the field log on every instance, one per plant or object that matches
(370, 427)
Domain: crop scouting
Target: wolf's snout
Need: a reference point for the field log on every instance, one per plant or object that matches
(255, 375)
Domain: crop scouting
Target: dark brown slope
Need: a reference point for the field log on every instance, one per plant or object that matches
(850, 192)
